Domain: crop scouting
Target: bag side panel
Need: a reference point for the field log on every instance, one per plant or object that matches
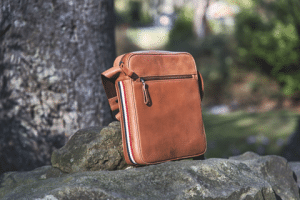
(129, 125)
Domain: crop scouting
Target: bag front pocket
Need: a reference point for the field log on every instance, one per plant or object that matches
(168, 118)
(146, 95)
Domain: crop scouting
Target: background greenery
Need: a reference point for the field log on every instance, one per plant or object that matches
(238, 132)
(252, 69)
(268, 39)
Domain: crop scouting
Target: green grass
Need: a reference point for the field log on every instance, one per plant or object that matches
(238, 132)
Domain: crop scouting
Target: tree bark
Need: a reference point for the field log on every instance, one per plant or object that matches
(52, 53)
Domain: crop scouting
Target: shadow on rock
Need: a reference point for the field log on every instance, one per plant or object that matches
(22, 150)
(292, 149)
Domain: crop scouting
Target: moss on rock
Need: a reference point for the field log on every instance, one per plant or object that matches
(91, 149)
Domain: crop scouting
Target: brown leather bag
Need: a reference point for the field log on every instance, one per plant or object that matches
(158, 95)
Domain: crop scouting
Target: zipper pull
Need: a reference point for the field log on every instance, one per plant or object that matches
(145, 92)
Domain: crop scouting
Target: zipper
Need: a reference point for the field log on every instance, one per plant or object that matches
(147, 99)
(145, 92)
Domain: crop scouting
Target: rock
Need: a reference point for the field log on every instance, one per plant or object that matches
(295, 166)
(246, 156)
(91, 149)
(260, 177)
(52, 53)
(274, 173)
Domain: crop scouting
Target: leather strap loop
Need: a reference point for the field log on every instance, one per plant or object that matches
(118, 116)
(126, 70)
(113, 102)
(201, 85)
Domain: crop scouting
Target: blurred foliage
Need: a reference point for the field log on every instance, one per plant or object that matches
(268, 39)
(215, 47)
(241, 3)
(133, 12)
(182, 30)
(235, 133)
(216, 71)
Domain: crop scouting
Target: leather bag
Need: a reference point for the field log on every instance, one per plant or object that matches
(158, 95)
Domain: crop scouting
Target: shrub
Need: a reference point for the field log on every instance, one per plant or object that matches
(268, 39)
(183, 27)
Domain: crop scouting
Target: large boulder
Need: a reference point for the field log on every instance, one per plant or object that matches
(295, 166)
(248, 176)
(91, 149)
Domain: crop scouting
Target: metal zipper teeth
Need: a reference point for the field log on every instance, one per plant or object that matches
(151, 78)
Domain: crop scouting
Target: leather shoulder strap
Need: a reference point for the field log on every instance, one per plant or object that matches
(108, 80)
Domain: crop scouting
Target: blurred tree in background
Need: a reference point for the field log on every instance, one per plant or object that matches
(268, 39)
(204, 46)
(182, 30)
(133, 12)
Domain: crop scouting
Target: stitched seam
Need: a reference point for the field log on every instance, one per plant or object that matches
(133, 92)
(121, 109)
(136, 121)
(129, 132)
(174, 75)
(202, 120)
(127, 143)
(201, 134)
(166, 54)
(172, 80)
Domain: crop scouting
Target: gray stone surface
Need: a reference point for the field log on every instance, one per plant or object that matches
(295, 166)
(246, 156)
(91, 149)
(52, 53)
(260, 178)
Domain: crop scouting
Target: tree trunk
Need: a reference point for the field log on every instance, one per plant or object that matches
(52, 53)
(201, 27)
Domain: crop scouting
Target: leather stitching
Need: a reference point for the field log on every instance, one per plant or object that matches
(140, 149)
(122, 118)
(129, 129)
(135, 110)
(189, 155)
(177, 75)
(172, 80)
(203, 133)
(203, 130)
(173, 54)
